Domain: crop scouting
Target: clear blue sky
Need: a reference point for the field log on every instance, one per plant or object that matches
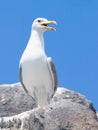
(73, 47)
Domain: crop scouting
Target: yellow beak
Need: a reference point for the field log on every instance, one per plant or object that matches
(45, 24)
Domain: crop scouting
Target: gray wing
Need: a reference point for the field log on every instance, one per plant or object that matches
(53, 72)
(21, 79)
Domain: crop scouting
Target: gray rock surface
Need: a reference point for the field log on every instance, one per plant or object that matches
(13, 100)
(67, 111)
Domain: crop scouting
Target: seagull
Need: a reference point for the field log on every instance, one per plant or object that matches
(38, 74)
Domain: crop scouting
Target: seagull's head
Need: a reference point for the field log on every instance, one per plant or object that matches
(42, 24)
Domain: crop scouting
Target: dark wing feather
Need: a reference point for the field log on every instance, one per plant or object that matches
(21, 79)
(53, 72)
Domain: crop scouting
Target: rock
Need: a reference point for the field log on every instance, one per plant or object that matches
(67, 111)
(72, 96)
(14, 100)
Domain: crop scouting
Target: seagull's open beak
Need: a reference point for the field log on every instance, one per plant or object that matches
(45, 25)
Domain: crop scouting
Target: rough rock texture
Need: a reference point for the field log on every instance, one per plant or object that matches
(13, 100)
(67, 111)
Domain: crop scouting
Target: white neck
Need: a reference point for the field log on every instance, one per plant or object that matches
(36, 39)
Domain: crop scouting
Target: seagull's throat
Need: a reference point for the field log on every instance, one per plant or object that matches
(37, 39)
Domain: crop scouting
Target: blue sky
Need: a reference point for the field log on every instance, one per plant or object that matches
(73, 46)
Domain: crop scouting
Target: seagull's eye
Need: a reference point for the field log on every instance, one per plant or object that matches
(39, 21)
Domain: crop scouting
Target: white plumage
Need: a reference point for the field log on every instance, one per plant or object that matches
(37, 71)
